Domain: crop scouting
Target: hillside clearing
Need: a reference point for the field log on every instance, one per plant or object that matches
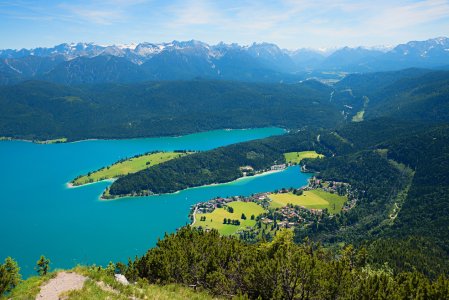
(295, 157)
(314, 199)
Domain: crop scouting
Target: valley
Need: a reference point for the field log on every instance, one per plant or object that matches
(344, 175)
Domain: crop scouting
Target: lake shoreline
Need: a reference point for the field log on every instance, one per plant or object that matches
(141, 138)
(71, 186)
(201, 186)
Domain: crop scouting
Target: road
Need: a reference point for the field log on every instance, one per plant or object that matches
(194, 216)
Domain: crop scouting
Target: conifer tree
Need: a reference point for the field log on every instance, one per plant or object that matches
(9, 275)
(110, 269)
(43, 266)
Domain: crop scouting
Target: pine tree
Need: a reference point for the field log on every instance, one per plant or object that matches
(9, 276)
(43, 266)
(110, 270)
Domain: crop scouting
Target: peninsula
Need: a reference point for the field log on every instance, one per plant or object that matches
(127, 166)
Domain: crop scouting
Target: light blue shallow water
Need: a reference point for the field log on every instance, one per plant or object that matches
(40, 215)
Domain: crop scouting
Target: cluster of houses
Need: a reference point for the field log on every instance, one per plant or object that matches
(211, 205)
(278, 167)
(292, 216)
(343, 189)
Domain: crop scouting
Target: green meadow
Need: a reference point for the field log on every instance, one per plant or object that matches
(215, 218)
(131, 165)
(295, 157)
(314, 199)
(358, 117)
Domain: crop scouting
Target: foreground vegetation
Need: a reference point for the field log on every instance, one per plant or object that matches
(101, 285)
(227, 267)
(277, 270)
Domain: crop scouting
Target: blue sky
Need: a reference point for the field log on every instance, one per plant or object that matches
(287, 23)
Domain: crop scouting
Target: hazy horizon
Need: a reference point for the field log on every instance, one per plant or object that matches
(288, 24)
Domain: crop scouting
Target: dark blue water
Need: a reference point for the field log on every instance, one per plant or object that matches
(40, 215)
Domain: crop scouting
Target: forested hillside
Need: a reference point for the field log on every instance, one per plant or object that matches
(424, 98)
(43, 110)
(417, 182)
(369, 82)
(411, 94)
(407, 254)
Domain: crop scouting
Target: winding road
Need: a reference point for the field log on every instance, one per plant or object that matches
(194, 216)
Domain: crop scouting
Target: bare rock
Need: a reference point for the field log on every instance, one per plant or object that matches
(120, 278)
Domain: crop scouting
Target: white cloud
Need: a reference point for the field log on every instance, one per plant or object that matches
(93, 14)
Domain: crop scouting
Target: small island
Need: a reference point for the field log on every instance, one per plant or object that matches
(127, 166)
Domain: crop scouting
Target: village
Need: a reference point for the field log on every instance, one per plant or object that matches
(293, 208)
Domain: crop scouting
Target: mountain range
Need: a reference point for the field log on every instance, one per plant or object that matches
(258, 62)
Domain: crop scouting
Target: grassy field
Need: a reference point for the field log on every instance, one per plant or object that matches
(276, 205)
(295, 157)
(51, 141)
(215, 219)
(4, 138)
(358, 117)
(129, 166)
(314, 199)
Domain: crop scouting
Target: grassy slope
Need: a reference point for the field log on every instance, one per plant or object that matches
(130, 166)
(217, 216)
(295, 157)
(92, 290)
(314, 199)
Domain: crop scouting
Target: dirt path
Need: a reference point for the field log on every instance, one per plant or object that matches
(61, 283)
(394, 210)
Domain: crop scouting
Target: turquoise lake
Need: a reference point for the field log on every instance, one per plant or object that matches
(41, 215)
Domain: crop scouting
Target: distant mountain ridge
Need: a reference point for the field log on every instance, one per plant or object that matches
(262, 62)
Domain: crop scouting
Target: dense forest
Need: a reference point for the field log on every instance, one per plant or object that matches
(43, 110)
(417, 181)
(411, 94)
(277, 270)
(40, 110)
(407, 254)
